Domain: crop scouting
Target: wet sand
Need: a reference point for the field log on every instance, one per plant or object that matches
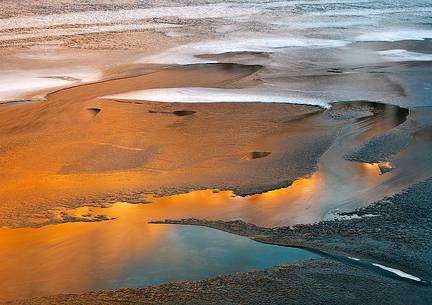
(370, 235)
(96, 151)
(269, 209)
(75, 148)
(358, 233)
(67, 161)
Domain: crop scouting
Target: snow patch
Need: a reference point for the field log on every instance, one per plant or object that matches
(396, 35)
(37, 33)
(404, 55)
(215, 95)
(219, 10)
(399, 272)
(18, 84)
(354, 258)
(186, 54)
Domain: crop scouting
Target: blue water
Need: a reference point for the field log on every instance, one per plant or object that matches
(126, 252)
(193, 253)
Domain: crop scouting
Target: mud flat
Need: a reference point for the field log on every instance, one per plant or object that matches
(81, 148)
(78, 148)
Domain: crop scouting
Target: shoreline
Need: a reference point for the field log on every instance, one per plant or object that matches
(286, 123)
(257, 121)
(320, 236)
(120, 115)
(303, 130)
(341, 275)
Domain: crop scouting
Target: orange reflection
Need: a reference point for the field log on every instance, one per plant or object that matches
(371, 168)
(300, 187)
(377, 168)
(45, 260)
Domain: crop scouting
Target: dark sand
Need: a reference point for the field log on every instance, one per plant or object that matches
(310, 282)
(402, 244)
(394, 232)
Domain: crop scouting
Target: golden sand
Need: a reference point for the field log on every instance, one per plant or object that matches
(76, 148)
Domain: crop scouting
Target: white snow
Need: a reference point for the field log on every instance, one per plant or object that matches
(396, 35)
(219, 10)
(404, 55)
(366, 12)
(17, 84)
(214, 95)
(36, 33)
(354, 258)
(13, 88)
(186, 54)
(399, 272)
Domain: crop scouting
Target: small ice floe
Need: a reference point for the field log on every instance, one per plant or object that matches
(354, 216)
(337, 214)
(216, 95)
(396, 35)
(248, 42)
(399, 272)
(386, 201)
(354, 258)
(345, 217)
(404, 55)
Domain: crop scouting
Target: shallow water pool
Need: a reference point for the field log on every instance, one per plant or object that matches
(76, 257)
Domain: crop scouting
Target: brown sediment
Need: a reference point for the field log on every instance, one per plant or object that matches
(256, 155)
(183, 112)
(176, 112)
(55, 153)
(94, 111)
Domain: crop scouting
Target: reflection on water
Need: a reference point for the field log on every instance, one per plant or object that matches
(126, 252)
(338, 184)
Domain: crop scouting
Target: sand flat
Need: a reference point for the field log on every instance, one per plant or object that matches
(63, 152)
(342, 180)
